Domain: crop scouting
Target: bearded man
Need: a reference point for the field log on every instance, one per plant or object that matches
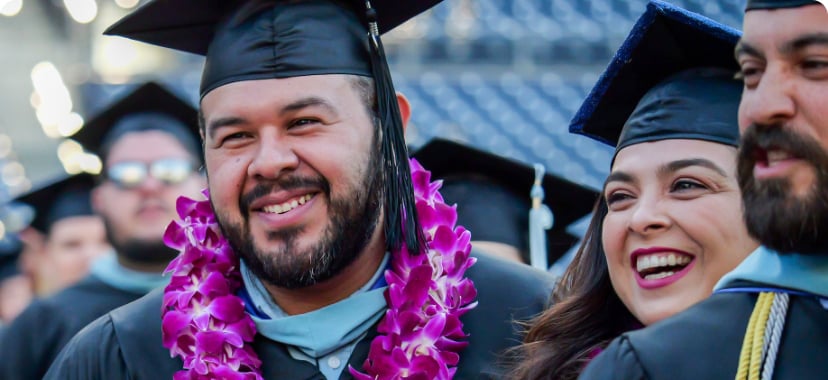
(769, 317)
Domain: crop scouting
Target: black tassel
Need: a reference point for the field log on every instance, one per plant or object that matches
(401, 223)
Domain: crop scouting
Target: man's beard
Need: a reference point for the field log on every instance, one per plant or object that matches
(140, 251)
(778, 218)
(352, 221)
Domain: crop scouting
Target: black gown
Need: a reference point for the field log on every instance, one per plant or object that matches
(126, 343)
(30, 343)
(704, 342)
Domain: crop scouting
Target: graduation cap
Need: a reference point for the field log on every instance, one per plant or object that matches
(264, 39)
(673, 77)
(774, 4)
(149, 107)
(493, 195)
(60, 198)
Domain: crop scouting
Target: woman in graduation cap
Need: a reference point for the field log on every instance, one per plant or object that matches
(668, 224)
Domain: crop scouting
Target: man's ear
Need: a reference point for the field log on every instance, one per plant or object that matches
(405, 109)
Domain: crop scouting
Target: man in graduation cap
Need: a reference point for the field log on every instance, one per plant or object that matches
(310, 184)
(494, 198)
(74, 234)
(768, 318)
(148, 144)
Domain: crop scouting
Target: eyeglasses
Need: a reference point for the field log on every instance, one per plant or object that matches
(131, 174)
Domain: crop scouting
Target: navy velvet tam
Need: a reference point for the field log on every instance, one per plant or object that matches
(672, 78)
(493, 200)
(62, 198)
(148, 107)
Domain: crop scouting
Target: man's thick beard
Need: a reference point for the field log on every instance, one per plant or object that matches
(780, 220)
(352, 222)
(146, 252)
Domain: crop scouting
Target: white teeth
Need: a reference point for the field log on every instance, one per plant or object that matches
(660, 260)
(287, 206)
(659, 275)
(775, 156)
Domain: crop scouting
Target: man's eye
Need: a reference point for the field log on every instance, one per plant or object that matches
(750, 76)
(686, 185)
(303, 122)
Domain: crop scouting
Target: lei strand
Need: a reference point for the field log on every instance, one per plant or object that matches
(420, 336)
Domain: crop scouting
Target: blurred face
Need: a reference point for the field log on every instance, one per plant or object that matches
(73, 243)
(783, 116)
(292, 170)
(136, 212)
(674, 225)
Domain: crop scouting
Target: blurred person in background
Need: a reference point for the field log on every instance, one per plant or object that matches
(493, 200)
(768, 318)
(73, 234)
(15, 287)
(668, 224)
(148, 144)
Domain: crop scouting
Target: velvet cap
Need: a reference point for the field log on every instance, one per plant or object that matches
(634, 101)
(492, 194)
(775, 4)
(264, 39)
(150, 106)
(60, 198)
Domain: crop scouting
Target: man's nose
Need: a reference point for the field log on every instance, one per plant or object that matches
(771, 102)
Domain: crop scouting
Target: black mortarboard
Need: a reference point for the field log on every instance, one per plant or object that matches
(62, 198)
(774, 4)
(264, 39)
(671, 78)
(493, 195)
(149, 107)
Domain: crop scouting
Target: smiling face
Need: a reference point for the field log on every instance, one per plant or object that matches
(674, 225)
(783, 164)
(293, 171)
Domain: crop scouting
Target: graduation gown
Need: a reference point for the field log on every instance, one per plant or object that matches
(704, 342)
(30, 344)
(126, 343)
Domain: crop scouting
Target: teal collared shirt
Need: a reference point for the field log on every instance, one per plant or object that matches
(806, 273)
(325, 337)
(110, 272)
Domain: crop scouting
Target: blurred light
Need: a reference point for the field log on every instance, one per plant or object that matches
(75, 160)
(10, 8)
(2, 230)
(82, 11)
(126, 4)
(70, 124)
(5, 146)
(13, 174)
(51, 100)
(90, 163)
(117, 59)
(68, 149)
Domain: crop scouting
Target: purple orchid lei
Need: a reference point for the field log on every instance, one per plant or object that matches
(420, 336)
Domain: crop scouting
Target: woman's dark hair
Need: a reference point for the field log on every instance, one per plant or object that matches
(586, 314)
